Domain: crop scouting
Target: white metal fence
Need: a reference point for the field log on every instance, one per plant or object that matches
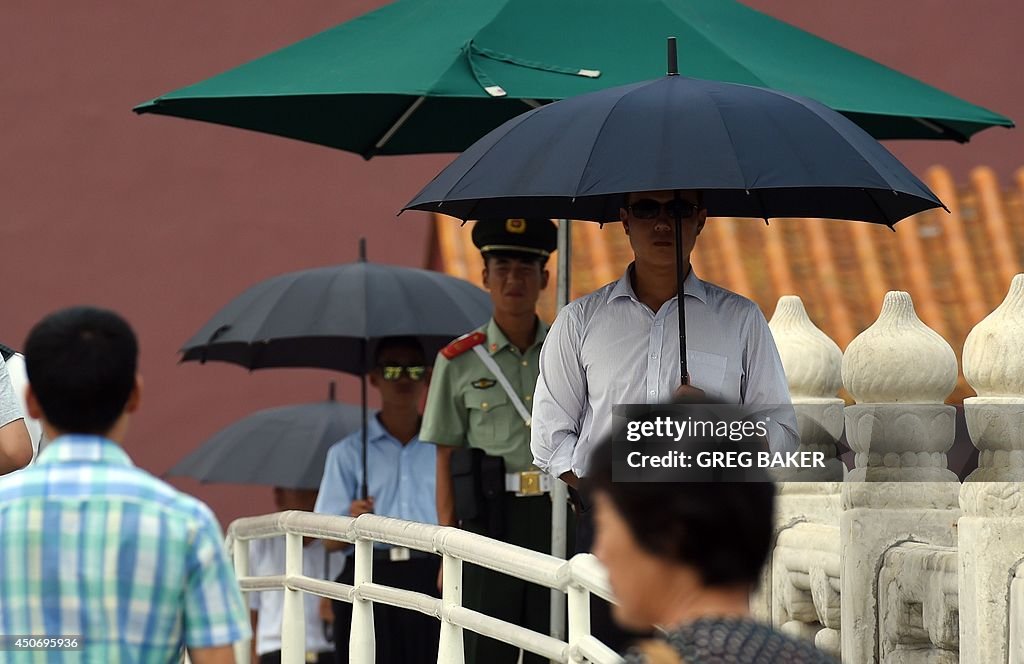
(578, 578)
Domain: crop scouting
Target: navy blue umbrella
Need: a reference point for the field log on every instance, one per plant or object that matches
(753, 152)
(284, 447)
(330, 317)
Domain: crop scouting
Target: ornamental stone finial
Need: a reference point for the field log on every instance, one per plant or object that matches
(812, 361)
(993, 357)
(899, 359)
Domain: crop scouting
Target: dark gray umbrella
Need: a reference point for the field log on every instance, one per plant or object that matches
(329, 318)
(753, 152)
(284, 446)
(6, 351)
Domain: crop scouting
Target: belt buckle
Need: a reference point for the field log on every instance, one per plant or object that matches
(397, 554)
(529, 483)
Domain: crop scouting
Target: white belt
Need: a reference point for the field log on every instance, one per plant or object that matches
(528, 483)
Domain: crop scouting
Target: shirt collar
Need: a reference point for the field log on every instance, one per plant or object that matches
(82, 447)
(496, 339)
(376, 432)
(692, 286)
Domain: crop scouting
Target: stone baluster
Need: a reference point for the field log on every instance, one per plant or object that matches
(812, 363)
(900, 372)
(992, 527)
(800, 588)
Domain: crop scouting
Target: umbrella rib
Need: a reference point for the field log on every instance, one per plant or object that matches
(398, 124)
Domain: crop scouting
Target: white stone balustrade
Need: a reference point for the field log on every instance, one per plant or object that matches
(900, 372)
(801, 585)
(991, 532)
(812, 363)
(904, 577)
(917, 599)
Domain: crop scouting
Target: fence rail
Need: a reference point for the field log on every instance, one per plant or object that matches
(578, 578)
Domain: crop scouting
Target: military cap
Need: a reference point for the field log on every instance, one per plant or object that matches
(536, 237)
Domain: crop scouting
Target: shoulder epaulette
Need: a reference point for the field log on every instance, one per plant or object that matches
(462, 344)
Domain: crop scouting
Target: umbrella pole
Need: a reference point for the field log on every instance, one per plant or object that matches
(362, 378)
(559, 490)
(684, 375)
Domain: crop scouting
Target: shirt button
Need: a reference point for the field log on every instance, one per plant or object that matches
(653, 393)
(653, 356)
(525, 363)
(528, 397)
(484, 404)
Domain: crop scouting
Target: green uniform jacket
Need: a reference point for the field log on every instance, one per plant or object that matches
(467, 406)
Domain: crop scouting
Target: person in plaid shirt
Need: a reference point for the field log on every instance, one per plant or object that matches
(90, 545)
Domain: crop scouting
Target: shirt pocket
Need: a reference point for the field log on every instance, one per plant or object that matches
(707, 371)
(488, 416)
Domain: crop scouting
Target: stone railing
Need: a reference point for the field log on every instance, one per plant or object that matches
(895, 560)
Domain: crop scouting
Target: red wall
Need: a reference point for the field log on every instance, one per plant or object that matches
(165, 220)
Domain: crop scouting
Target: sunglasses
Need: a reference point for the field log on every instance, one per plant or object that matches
(393, 372)
(648, 208)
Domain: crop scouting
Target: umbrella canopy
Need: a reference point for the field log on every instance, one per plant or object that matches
(753, 152)
(284, 446)
(6, 351)
(422, 76)
(325, 317)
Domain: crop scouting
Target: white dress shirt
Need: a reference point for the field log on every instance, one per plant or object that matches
(609, 348)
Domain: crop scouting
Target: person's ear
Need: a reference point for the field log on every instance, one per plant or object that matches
(35, 411)
(702, 218)
(374, 379)
(623, 218)
(544, 276)
(484, 274)
(135, 397)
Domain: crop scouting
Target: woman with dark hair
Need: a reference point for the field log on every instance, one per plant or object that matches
(685, 556)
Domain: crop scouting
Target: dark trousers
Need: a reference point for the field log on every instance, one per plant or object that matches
(275, 658)
(602, 625)
(527, 524)
(402, 636)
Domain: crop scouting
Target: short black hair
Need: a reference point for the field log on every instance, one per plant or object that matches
(723, 530)
(81, 364)
(387, 343)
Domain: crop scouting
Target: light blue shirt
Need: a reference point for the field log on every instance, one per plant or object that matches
(403, 478)
(92, 546)
(609, 348)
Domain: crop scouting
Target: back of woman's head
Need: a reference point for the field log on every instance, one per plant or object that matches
(721, 529)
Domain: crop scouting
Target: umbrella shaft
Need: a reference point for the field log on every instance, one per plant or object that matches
(681, 308)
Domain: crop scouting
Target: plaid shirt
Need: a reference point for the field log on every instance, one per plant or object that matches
(90, 545)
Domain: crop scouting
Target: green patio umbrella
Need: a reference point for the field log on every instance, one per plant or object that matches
(420, 76)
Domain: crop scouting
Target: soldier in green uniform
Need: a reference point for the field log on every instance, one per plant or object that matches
(478, 413)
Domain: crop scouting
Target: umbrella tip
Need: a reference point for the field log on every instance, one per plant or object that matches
(673, 60)
(330, 391)
(362, 249)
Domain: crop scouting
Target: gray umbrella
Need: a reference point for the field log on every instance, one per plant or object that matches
(6, 351)
(284, 446)
(330, 317)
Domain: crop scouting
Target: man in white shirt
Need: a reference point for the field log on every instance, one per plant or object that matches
(620, 344)
(266, 558)
(16, 449)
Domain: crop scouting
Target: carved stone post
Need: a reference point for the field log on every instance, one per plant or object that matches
(900, 372)
(992, 527)
(800, 590)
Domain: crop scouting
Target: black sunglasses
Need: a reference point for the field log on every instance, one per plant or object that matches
(648, 208)
(392, 372)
